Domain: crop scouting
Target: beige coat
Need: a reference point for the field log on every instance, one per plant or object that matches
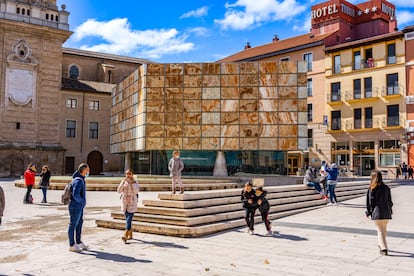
(2, 202)
(129, 191)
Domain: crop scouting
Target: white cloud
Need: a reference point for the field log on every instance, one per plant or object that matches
(304, 26)
(404, 17)
(246, 14)
(200, 12)
(402, 3)
(199, 31)
(119, 38)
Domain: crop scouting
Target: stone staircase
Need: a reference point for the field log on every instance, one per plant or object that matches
(195, 214)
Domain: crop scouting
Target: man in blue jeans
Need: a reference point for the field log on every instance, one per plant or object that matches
(76, 206)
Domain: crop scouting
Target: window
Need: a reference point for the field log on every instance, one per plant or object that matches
(309, 59)
(310, 111)
(71, 103)
(93, 130)
(74, 72)
(309, 86)
(70, 129)
(335, 92)
(28, 12)
(357, 60)
(336, 120)
(51, 17)
(285, 59)
(357, 118)
(23, 11)
(357, 89)
(310, 137)
(47, 16)
(393, 116)
(389, 144)
(390, 159)
(94, 105)
(337, 64)
(368, 117)
(17, 10)
(392, 84)
(369, 61)
(368, 87)
(391, 58)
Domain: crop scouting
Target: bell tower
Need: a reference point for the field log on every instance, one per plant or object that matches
(32, 34)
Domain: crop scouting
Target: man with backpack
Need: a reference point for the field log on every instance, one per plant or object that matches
(76, 205)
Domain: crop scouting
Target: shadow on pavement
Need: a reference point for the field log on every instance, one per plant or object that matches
(393, 253)
(114, 257)
(284, 236)
(162, 244)
(350, 205)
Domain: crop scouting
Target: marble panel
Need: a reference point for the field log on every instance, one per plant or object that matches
(229, 118)
(302, 79)
(230, 93)
(140, 131)
(174, 130)
(192, 106)
(268, 144)
(230, 80)
(302, 67)
(173, 118)
(155, 118)
(192, 143)
(155, 106)
(288, 143)
(139, 144)
(154, 143)
(249, 92)
(249, 131)
(287, 92)
(249, 80)
(248, 105)
(249, 118)
(173, 143)
(174, 81)
(155, 81)
(288, 105)
(302, 105)
(192, 118)
(192, 93)
(211, 68)
(174, 105)
(230, 143)
(230, 131)
(192, 68)
(210, 118)
(211, 93)
(302, 118)
(210, 130)
(212, 143)
(173, 93)
(268, 118)
(268, 67)
(211, 81)
(192, 131)
(210, 105)
(288, 130)
(287, 67)
(268, 80)
(288, 79)
(268, 93)
(268, 105)
(249, 143)
(174, 69)
(302, 92)
(230, 106)
(249, 68)
(303, 131)
(230, 68)
(303, 143)
(288, 118)
(192, 80)
(269, 131)
(154, 130)
(155, 69)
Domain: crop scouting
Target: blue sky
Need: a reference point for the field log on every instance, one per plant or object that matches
(191, 30)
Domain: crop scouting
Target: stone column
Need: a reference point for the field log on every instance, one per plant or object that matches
(220, 168)
(128, 161)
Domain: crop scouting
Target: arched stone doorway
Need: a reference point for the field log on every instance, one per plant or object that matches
(95, 162)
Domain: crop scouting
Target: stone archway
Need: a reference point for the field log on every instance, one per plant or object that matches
(95, 162)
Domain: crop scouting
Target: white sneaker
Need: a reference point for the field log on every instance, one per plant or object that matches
(75, 248)
(251, 232)
(269, 233)
(329, 203)
(82, 246)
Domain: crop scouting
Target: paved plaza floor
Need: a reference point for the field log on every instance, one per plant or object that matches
(328, 241)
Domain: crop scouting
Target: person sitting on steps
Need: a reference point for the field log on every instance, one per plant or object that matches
(310, 180)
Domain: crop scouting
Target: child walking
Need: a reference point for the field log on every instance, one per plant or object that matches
(129, 189)
(264, 207)
(248, 198)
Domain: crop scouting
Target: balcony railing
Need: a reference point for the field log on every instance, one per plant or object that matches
(363, 64)
(334, 97)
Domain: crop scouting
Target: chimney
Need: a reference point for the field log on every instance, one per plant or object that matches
(275, 38)
(247, 46)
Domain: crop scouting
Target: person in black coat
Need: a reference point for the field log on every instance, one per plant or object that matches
(249, 200)
(44, 181)
(264, 207)
(379, 208)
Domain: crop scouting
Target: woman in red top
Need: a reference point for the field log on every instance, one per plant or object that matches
(29, 180)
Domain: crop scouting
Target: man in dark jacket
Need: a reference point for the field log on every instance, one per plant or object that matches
(249, 200)
(76, 206)
(264, 207)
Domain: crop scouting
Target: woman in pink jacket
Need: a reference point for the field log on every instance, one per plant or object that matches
(129, 189)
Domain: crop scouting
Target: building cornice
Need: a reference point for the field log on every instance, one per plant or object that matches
(85, 53)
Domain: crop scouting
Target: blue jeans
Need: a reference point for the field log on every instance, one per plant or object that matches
(332, 195)
(75, 225)
(315, 185)
(128, 220)
(44, 191)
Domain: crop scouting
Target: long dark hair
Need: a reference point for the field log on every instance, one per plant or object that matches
(376, 180)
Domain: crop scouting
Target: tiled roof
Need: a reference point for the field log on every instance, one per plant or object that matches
(86, 86)
(277, 47)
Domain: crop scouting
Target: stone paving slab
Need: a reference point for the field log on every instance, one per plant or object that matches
(327, 241)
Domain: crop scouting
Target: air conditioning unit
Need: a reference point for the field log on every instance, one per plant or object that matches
(409, 100)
